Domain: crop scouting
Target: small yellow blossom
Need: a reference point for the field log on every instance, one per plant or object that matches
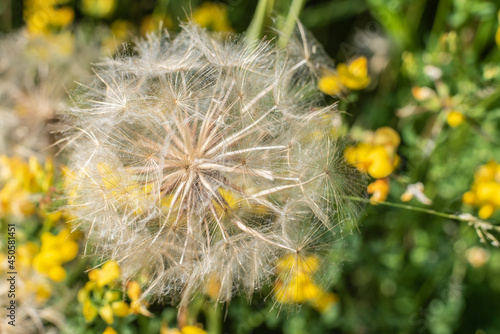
(45, 16)
(98, 8)
(106, 313)
(377, 156)
(212, 16)
(120, 309)
(379, 189)
(192, 330)
(19, 180)
(330, 84)
(354, 75)
(185, 330)
(295, 283)
(89, 311)
(485, 190)
(497, 35)
(137, 306)
(107, 274)
(54, 251)
(455, 118)
(109, 330)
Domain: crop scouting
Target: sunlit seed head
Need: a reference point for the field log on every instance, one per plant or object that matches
(211, 172)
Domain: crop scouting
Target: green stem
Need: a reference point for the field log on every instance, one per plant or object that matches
(255, 28)
(292, 17)
(213, 312)
(410, 207)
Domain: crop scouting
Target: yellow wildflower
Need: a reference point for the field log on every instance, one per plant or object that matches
(354, 75)
(497, 35)
(455, 118)
(485, 190)
(106, 313)
(136, 305)
(107, 274)
(89, 311)
(185, 330)
(192, 330)
(330, 84)
(42, 16)
(120, 309)
(379, 190)
(54, 251)
(229, 201)
(109, 330)
(212, 16)
(377, 156)
(98, 8)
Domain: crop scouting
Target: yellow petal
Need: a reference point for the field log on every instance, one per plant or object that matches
(330, 85)
(120, 309)
(106, 313)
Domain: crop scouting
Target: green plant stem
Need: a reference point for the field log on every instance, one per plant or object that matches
(410, 207)
(213, 312)
(292, 17)
(254, 31)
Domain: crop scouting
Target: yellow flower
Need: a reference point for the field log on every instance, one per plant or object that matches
(212, 16)
(107, 274)
(299, 289)
(354, 75)
(192, 330)
(455, 118)
(98, 8)
(54, 251)
(302, 264)
(120, 309)
(109, 330)
(377, 156)
(57, 273)
(229, 202)
(185, 330)
(106, 313)
(89, 311)
(136, 305)
(330, 84)
(485, 190)
(497, 35)
(379, 190)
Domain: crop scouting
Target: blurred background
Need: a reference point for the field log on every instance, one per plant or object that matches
(433, 77)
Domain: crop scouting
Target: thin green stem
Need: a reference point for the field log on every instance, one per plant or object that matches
(290, 21)
(254, 31)
(409, 207)
(213, 312)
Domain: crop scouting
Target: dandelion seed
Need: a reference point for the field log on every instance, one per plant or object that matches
(193, 161)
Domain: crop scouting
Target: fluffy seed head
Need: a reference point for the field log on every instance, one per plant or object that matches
(198, 159)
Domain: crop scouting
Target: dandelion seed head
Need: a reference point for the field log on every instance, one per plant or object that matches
(198, 158)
